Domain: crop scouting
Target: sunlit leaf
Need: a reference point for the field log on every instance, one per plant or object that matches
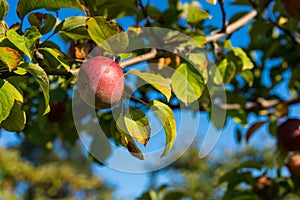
(10, 57)
(166, 117)
(248, 77)
(195, 16)
(3, 9)
(187, 83)
(246, 63)
(73, 27)
(40, 75)
(137, 125)
(25, 6)
(125, 139)
(26, 42)
(214, 2)
(3, 28)
(225, 72)
(16, 120)
(107, 34)
(157, 81)
(8, 95)
(57, 55)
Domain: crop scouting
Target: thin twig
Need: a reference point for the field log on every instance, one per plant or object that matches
(224, 22)
(145, 13)
(286, 31)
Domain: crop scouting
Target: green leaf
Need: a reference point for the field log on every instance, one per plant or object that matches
(10, 57)
(187, 83)
(199, 60)
(254, 127)
(174, 195)
(3, 9)
(166, 117)
(157, 81)
(107, 34)
(246, 63)
(40, 75)
(25, 6)
(8, 95)
(124, 138)
(225, 72)
(26, 42)
(195, 16)
(3, 28)
(214, 2)
(248, 77)
(44, 22)
(238, 115)
(57, 55)
(137, 125)
(16, 120)
(73, 27)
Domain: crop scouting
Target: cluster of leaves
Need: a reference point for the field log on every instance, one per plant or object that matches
(248, 174)
(58, 178)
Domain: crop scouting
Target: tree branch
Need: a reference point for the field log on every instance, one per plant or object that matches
(260, 104)
(237, 24)
(144, 57)
(286, 31)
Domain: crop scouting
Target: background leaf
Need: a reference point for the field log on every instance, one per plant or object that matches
(246, 63)
(40, 75)
(157, 81)
(166, 117)
(195, 16)
(254, 127)
(25, 6)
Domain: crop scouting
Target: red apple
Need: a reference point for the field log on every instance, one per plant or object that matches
(265, 188)
(57, 112)
(288, 135)
(292, 7)
(100, 82)
(294, 166)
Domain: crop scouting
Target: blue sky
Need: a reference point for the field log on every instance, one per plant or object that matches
(126, 183)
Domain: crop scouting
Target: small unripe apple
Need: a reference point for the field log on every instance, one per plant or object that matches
(57, 112)
(293, 165)
(100, 82)
(288, 135)
(292, 7)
